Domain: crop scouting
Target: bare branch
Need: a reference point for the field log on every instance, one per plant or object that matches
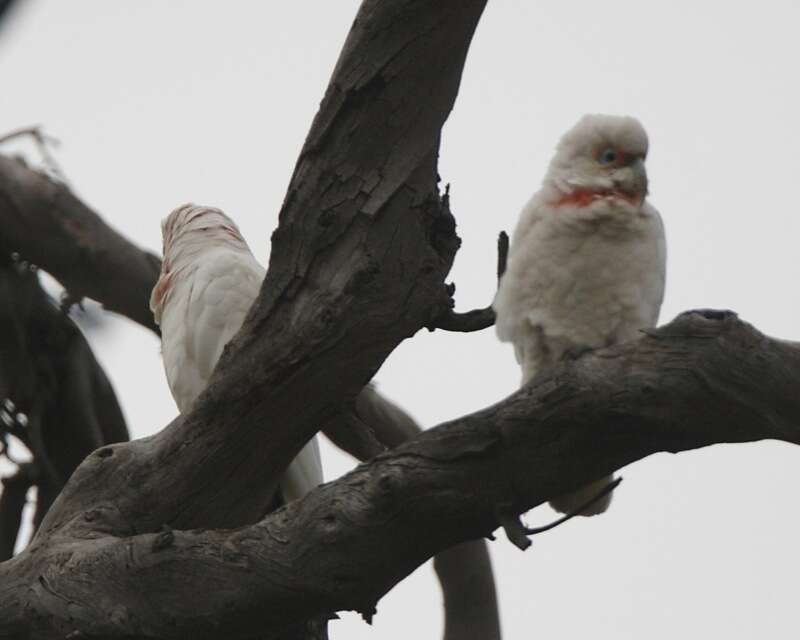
(464, 571)
(703, 379)
(34, 132)
(478, 319)
(43, 143)
(357, 265)
(467, 321)
(358, 261)
(56, 398)
(47, 225)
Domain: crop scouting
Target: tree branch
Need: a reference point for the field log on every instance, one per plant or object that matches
(477, 319)
(48, 372)
(705, 378)
(465, 570)
(47, 225)
(358, 261)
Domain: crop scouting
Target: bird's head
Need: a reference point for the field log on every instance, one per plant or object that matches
(191, 224)
(601, 157)
(187, 233)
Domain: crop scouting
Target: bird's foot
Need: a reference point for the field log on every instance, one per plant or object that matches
(518, 534)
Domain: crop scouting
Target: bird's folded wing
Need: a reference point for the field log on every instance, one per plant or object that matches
(225, 287)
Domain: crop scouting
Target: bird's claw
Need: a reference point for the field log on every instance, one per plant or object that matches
(518, 534)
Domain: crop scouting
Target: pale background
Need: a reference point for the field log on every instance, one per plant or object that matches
(158, 103)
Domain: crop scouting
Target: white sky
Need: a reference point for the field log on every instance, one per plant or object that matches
(158, 103)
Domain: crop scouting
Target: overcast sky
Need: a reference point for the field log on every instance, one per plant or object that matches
(162, 102)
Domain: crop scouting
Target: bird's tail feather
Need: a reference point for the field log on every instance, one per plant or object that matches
(304, 473)
(570, 502)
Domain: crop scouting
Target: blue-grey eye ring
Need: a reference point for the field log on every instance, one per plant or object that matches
(607, 156)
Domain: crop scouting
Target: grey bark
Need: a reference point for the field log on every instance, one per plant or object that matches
(47, 225)
(465, 570)
(358, 264)
(705, 378)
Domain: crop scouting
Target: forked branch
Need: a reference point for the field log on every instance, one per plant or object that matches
(703, 379)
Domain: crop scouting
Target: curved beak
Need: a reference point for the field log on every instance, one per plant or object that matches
(633, 181)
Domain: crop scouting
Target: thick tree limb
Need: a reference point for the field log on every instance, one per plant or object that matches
(28, 225)
(465, 570)
(46, 224)
(703, 379)
(48, 371)
(341, 427)
(357, 265)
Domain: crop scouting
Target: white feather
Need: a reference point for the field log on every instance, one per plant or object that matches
(582, 274)
(208, 283)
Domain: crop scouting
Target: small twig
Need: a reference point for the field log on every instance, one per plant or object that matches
(502, 255)
(43, 143)
(518, 534)
(368, 612)
(35, 132)
(477, 319)
(68, 300)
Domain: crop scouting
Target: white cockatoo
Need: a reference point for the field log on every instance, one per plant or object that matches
(209, 280)
(587, 258)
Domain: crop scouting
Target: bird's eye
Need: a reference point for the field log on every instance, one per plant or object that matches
(607, 156)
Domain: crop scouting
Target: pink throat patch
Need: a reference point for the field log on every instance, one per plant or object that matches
(584, 197)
